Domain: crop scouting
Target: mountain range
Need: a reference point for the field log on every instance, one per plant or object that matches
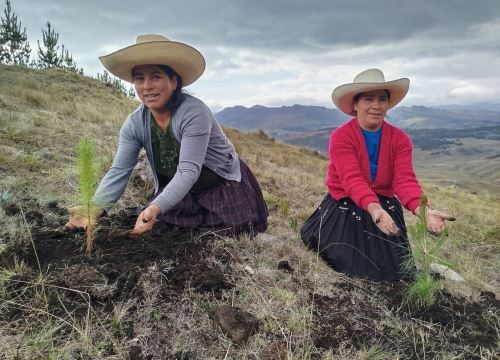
(282, 121)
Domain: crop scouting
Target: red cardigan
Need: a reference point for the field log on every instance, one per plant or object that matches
(349, 167)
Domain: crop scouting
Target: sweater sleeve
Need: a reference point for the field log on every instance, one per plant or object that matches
(405, 183)
(344, 156)
(196, 129)
(115, 181)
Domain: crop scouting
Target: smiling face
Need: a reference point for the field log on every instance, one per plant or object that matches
(371, 108)
(153, 86)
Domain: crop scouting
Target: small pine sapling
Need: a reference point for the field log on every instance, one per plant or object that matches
(87, 174)
(425, 249)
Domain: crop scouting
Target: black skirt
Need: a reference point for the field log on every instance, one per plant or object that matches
(227, 208)
(348, 240)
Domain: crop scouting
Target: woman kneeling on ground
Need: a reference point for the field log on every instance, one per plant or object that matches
(359, 227)
(200, 182)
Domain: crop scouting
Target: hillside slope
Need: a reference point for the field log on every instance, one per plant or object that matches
(161, 297)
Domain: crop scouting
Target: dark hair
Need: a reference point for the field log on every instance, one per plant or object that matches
(178, 95)
(356, 98)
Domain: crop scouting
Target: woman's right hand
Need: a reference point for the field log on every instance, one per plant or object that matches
(382, 219)
(79, 219)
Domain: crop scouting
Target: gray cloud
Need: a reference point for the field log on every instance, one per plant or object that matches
(295, 50)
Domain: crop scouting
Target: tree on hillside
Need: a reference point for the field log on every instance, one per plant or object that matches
(14, 45)
(49, 57)
(68, 63)
(116, 84)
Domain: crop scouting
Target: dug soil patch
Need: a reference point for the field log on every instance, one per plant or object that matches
(152, 271)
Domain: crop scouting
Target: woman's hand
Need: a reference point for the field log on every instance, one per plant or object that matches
(382, 219)
(145, 221)
(79, 218)
(435, 220)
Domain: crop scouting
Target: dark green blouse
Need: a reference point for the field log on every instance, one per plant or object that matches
(166, 151)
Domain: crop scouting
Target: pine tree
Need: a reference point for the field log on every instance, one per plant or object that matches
(67, 62)
(49, 58)
(114, 83)
(131, 92)
(14, 45)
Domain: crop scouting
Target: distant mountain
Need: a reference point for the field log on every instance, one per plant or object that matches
(472, 107)
(281, 121)
(421, 117)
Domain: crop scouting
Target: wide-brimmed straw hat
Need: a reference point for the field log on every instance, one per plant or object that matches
(185, 60)
(369, 80)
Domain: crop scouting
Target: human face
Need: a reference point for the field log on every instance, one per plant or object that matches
(153, 86)
(371, 108)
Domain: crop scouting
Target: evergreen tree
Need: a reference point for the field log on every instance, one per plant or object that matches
(48, 57)
(67, 62)
(115, 83)
(131, 92)
(14, 45)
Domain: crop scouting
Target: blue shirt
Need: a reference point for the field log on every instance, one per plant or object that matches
(372, 141)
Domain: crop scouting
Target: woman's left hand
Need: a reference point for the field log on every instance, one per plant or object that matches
(435, 220)
(145, 221)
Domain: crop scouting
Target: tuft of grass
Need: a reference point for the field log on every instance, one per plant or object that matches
(293, 224)
(270, 199)
(284, 207)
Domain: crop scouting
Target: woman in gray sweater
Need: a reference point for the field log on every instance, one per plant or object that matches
(200, 182)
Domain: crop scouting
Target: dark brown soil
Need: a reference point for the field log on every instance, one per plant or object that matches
(358, 316)
(117, 270)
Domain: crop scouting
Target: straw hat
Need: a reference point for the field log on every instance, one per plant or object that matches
(369, 80)
(156, 49)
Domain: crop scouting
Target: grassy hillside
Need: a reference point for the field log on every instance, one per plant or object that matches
(304, 309)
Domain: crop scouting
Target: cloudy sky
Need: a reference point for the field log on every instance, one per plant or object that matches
(285, 52)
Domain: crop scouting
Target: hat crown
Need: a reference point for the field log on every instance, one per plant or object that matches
(370, 76)
(145, 38)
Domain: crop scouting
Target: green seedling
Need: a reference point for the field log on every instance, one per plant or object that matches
(87, 174)
(425, 251)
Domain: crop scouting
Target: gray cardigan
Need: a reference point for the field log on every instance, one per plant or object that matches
(202, 143)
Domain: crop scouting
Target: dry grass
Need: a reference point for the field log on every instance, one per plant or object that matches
(43, 114)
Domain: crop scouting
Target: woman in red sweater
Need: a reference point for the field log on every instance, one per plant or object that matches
(359, 227)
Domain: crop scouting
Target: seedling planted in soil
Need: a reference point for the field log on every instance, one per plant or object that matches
(425, 249)
(87, 187)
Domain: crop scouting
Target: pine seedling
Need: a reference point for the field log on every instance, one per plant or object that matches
(87, 173)
(425, 251)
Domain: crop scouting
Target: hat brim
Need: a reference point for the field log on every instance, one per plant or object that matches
(343, 95)
(185, 60)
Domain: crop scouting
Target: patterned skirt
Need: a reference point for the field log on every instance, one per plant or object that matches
(228, 208)
(348, 240)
